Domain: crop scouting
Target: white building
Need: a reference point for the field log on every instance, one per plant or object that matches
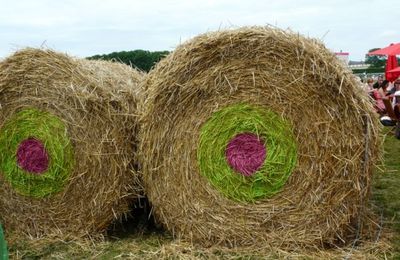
(343, 56)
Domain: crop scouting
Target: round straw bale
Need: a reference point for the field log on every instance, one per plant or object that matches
(257, 136)
(67, 143)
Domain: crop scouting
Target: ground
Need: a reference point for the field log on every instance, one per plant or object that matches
(386, 192)
(155, 244)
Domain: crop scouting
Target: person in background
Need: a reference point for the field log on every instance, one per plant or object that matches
(384, 88)
(378, 82)
(396, 98)
(396, 109)
(396, 87)
(369, 86)
(378, 93)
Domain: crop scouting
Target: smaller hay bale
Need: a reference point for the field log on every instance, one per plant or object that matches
(67, 143)
(224, 101)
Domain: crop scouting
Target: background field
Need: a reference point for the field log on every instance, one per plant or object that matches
(139, 241)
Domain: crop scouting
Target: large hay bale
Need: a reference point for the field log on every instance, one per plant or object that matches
(257, 136)
(67, 143)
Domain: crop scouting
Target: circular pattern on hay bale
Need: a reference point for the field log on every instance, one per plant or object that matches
(24, 160)
(233, 125)
(296, 79)
(80, 116)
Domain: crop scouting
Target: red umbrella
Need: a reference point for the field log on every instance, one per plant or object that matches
(395, 70)
(392, 49)
(391, 64)
(394, 73)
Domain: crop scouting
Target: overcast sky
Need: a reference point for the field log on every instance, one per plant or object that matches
(87, 27)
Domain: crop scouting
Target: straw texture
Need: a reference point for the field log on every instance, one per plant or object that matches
(285, 76)
(82, 115)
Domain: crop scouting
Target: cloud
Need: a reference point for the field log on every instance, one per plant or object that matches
(88, 27)
(390, 34)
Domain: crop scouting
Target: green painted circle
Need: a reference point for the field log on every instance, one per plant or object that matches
(279, 141)
(49, 129)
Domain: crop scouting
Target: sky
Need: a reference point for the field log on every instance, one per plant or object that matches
(87, 27)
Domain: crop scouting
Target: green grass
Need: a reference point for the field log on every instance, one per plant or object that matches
(156, 244)
(386, 188)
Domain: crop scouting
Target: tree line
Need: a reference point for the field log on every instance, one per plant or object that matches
(145, 60)
(141, 59)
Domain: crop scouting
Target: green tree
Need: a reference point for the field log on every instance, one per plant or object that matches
(141, 59)
(376, 61)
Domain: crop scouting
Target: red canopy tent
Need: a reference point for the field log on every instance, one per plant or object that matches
(391, 51)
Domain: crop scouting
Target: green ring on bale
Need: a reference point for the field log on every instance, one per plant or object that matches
(51, 131)
(276, 134)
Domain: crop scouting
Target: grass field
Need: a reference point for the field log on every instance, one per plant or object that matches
(386, 192)
(144, 243)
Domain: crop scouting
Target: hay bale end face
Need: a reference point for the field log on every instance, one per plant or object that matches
(257, 136)
(67, 143)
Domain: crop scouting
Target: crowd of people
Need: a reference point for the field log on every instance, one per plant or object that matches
(386, 98)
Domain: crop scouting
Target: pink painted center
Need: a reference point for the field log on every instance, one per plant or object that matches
(32, 156)
(245, 153)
